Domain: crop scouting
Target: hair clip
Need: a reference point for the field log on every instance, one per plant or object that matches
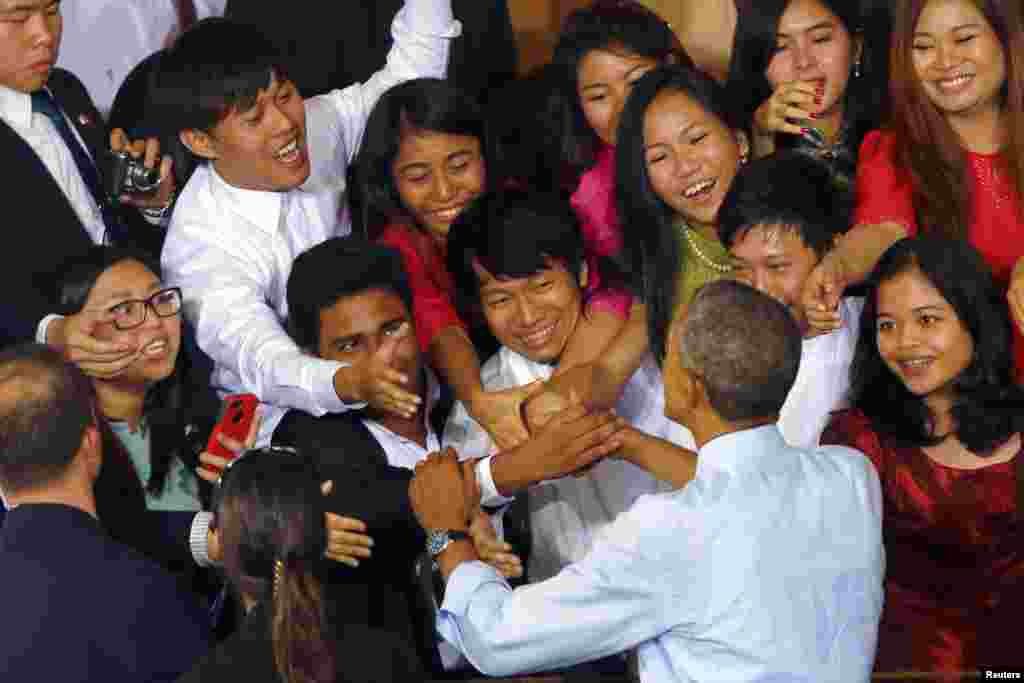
(278, 574)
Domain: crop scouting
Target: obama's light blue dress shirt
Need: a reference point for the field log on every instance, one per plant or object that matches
(768, 566)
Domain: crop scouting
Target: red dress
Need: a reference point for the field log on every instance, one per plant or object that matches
(884, 194)
(432, 289)
(954, 557)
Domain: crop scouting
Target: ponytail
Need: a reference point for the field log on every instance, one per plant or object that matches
(301, 651)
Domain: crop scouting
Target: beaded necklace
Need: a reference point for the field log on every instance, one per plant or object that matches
(701, 256)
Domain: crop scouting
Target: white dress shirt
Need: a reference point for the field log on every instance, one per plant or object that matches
(822, 384)
(767, 566)
(231, 250)
(567, 513)
(42, 136)
(103, 40)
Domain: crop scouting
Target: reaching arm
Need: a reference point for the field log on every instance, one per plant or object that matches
(422, 31)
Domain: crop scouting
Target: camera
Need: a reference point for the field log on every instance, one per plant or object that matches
(127, 175)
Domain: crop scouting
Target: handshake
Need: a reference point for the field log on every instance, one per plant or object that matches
(566, 439)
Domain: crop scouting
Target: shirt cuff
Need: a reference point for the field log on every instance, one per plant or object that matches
(489, 495)
(462, 584)
(432, 17)
(323, 387)
(44, 325)
(199, 540)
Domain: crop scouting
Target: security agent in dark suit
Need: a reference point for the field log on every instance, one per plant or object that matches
(81, 606)
(55, 222)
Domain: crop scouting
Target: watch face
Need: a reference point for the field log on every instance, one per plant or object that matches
(436, 541)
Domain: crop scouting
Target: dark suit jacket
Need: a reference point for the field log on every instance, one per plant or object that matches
(379, 593)
(44, 231)
(84, 608)
(329, 45)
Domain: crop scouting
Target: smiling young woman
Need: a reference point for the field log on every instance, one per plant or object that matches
(951, 162)
(805, 76)
(937, 411)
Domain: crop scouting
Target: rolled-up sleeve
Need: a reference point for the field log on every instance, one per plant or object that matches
(422, 31)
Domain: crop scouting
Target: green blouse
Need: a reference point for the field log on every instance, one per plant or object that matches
(181, 488)
(696, 270)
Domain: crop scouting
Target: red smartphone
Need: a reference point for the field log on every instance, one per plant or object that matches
(237, 413)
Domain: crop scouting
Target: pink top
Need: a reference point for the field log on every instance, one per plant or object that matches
(594, 204)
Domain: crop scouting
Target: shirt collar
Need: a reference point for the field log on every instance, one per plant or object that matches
(727, 450)
(259, 207)
(433, 395)
(15, 107)
(523, 370)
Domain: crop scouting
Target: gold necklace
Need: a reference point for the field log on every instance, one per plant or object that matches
(701, 256)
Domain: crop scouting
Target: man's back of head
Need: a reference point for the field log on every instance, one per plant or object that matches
(46, 408)
(744, 346)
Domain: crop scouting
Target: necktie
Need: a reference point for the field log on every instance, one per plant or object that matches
(186, 14)
(43, 103)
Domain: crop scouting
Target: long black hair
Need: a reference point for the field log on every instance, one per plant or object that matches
(989, 405)
(650, 258)
(421, 104)
(616, 25)
(167, 409)
(754, 46)
(269, 514)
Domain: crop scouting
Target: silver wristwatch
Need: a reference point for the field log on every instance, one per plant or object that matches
(439, 539)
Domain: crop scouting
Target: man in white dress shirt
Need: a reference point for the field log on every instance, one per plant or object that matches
(781, 216)
(766, 567)
(271, 185)
(522, 258)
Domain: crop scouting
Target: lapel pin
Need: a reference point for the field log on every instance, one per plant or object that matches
(84, 120)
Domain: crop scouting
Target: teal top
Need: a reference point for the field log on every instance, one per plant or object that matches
(181, 488)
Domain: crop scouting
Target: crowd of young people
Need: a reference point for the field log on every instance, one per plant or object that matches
(632, 334)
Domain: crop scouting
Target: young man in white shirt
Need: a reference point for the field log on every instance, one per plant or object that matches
(781, 216)
(767, 566)
(272, 185)
(521, 258)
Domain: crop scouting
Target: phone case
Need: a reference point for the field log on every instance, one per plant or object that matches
(236, 420)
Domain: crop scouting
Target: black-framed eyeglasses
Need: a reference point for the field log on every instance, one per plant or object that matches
(233, 464)
(128, 315)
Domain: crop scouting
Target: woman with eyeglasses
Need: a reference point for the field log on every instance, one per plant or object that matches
(269, 522)
(158, 421)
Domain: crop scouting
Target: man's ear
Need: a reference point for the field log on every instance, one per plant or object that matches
(199, 143)
(744, 142)
(91, 449)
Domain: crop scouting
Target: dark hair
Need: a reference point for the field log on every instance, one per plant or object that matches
(744, 346)
(269, 510)
(650, 256)
(789, 190)
(927, 148)
(616, 25)
(989, 405)
(512, 234)
(334, 269)
(754, 46)
(46, 404)
(422, 104)
(167, 401)
(216, 67)
(131, 111)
